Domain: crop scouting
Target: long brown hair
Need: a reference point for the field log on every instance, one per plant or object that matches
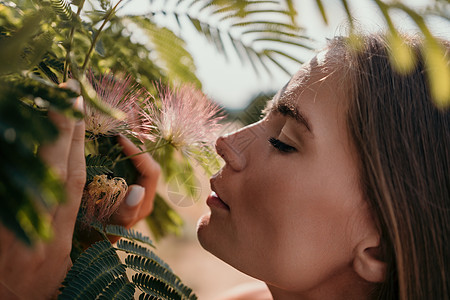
(403, 142)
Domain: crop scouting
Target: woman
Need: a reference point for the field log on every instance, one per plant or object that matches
(342, 190)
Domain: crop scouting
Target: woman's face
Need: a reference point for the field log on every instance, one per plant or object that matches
(289, 209)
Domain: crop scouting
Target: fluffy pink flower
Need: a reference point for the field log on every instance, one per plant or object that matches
(186, 119)
(118, 93)
(102, 197)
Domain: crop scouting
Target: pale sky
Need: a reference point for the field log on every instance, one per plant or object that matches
(232, 84)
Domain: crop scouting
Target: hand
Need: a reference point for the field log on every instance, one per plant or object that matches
(36, 272)
(139, 201)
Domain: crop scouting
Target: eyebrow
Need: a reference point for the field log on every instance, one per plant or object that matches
(290, 110)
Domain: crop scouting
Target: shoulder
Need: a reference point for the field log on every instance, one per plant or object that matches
(248, 291)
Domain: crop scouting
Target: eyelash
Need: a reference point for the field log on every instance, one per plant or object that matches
(280, 146)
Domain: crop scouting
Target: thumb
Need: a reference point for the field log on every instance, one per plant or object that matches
(127, 213)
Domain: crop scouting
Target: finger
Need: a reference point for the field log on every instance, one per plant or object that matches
(65, 217)
(56, 154)
(128, 211)
(149, 170)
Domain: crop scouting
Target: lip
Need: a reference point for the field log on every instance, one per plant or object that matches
(214, 199)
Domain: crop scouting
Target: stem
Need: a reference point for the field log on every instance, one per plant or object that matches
(418, 19)
(384, 10)
(69, 46)
(349, 14)
(97, 34)
(158, 145)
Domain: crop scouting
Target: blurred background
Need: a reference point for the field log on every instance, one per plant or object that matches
(234, 84)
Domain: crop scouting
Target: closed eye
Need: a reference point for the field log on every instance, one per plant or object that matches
(281, 146)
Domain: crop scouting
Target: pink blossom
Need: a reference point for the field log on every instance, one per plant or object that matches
(118, 93)
(186, 119)
(102, 197)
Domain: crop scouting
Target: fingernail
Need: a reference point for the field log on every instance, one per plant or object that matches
(79, 104)
(135, 195)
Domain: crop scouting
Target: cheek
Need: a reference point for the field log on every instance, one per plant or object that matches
(300, 225)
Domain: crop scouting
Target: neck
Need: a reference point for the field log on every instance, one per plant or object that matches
(347, 287)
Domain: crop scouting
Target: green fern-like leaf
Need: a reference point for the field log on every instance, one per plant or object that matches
(102, 273)
(12, 46)
(266, 24)
(178, 62)
(292, 10)
(154, 288)
(143, 264)
(119, 289)
(95, 270)
(40, 45)
(130, 234)
(247, 32)
(322, 11)
(62, 9)
(51, 67)
(131, 247)
(97, 165)
(99, 274)
(45, 71)
(348, 12)
(97, 250)
(54, 62)
(145, 296)
(36, 87)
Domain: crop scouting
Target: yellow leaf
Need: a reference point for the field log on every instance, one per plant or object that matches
(438, 73)
(355, 41)
(401, 55)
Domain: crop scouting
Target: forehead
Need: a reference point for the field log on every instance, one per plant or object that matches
(318, 91)
(320, 73)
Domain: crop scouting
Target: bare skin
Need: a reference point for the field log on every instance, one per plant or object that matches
(253, 291)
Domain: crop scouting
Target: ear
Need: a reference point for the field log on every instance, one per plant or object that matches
(367, 262)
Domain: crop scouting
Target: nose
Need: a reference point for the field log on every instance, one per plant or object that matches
(231, 148)
(233, 156)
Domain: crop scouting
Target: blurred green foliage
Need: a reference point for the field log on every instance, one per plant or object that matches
(99, 273)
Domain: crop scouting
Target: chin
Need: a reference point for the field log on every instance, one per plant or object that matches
(202, 228)
(216, 243)
(211, 237)
(203, 222)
